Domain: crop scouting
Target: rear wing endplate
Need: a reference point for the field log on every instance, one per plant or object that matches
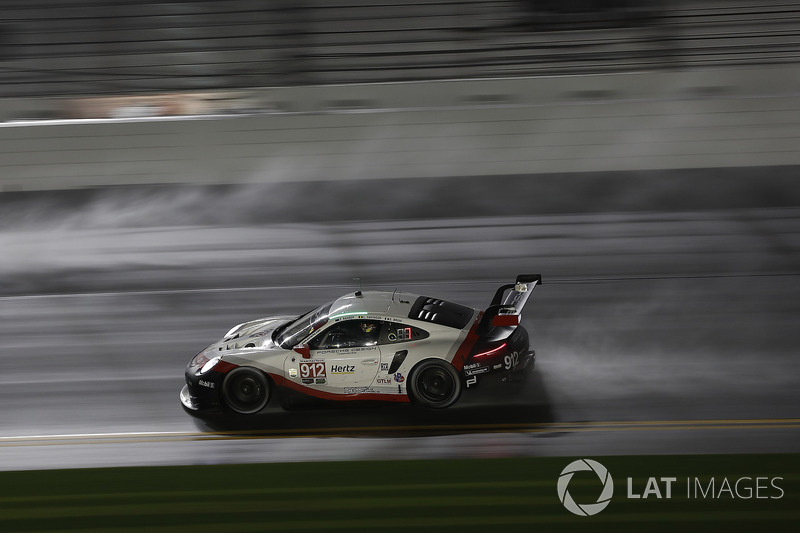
(521, 291)
(508, 302)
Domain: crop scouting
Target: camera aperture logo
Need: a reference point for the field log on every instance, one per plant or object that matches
(586, 509)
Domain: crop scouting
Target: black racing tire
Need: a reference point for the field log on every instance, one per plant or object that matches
(435, 384)
(246, 390)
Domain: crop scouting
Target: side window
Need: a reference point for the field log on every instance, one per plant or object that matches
(348, 334)
(394, 332)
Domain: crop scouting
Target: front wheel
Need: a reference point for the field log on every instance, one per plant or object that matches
(435, 384)
(245, 390)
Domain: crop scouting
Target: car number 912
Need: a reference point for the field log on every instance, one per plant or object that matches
(511, 360)
(314, 369)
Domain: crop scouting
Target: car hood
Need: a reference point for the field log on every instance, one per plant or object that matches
(254, 334)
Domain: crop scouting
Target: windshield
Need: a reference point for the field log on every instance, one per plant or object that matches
(294, 332)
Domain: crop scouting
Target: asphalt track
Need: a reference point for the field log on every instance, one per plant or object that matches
(656, 332)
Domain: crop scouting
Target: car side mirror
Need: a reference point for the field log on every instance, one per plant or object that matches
(505, 321)
(303, 350)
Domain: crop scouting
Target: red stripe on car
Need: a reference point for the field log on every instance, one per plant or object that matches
(223, 367)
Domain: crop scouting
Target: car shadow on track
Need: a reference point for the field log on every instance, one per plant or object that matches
(493, 407)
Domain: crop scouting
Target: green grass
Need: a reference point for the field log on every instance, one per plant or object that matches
(515, 494)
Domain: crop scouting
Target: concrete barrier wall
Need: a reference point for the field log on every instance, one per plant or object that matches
(642, 121)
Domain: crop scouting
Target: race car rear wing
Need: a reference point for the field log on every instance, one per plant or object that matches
(506, 307)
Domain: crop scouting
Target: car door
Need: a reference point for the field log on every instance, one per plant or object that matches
(344, 357)
(396, 340)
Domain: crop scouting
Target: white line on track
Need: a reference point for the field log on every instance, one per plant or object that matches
(65, 436)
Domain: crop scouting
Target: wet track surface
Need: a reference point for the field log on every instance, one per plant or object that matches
(655, 332)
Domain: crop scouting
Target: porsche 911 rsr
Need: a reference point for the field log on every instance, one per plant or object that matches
(370, 345)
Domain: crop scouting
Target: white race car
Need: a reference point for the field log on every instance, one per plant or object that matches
(371, 345)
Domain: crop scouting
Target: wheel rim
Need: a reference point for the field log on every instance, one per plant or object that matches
(436, 385)
(246, 391)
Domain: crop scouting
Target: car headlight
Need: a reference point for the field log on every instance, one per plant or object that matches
(209, 365)
(199, 359)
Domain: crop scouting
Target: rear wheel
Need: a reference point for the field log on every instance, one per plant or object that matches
(246, 390)
(435, 384)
